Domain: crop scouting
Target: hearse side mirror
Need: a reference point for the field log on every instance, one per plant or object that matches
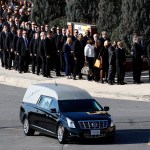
(53, 110)
(106, 108)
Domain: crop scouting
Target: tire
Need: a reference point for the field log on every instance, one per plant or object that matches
(61, 136)
(26, 128)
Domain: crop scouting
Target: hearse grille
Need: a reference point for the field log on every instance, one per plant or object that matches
(93, 124)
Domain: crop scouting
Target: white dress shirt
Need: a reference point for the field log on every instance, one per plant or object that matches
(89, 50)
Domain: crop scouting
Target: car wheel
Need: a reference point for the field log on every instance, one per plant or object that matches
(26, 128)
(61, 134)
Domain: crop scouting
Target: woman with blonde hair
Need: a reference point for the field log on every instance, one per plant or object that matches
(105, 63)
(97, 49)
(67, 48)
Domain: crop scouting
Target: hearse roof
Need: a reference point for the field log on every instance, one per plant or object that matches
(57, 91)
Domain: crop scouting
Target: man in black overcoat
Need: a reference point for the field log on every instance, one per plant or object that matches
(120, 63)
(36, 52)
(9, 46)
(137, 60)
(49, 53)
(104, 37)
(42, 51)
(3, 49)
(23, 52)
(78, 54)
(14, 47)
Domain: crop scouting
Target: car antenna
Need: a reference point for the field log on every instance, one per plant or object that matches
(55, 83)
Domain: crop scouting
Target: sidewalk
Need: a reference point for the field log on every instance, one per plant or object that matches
(129, 91)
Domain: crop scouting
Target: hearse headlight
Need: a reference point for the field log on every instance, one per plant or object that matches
(70, 123)
(112, 123)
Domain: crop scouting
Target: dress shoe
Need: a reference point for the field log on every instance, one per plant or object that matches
(49, 77)
(59, 75)
(120, 83)
(124, 82)
(110, 83)
(102, 81)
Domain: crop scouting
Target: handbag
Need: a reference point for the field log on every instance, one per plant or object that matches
(85, 70)
(98, 63)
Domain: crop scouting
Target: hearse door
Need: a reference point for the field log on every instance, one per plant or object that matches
(53, 116)
(43, 107)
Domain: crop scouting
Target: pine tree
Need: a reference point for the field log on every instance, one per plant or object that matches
(45, 11)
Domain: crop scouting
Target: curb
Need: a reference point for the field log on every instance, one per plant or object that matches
(24, 83)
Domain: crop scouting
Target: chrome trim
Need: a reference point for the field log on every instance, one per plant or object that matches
(42, 129)
(93, 124)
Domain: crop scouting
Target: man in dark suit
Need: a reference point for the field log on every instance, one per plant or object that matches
(87, 36)
(104, 37)
(23, 52)
(59, 51)
(137, 60)
(78, 53)
(3, 49)
(120, 63)
(63, 41)
(14, 46)
(75, 35)
(17, 25)
(148, 54)
(23, 16)
(49, 53)
(31, 31)
(9, 46)
(36, 52)
(42, 50)
(31, 50)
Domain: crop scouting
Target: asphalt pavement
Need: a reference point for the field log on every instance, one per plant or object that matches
(132, 121)
(130, 91)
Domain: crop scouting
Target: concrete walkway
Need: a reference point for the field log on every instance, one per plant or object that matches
(129, 91)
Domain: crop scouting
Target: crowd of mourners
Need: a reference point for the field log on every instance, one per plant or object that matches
(24, 43)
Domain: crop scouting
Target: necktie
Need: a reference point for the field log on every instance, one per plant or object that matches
(26, 43)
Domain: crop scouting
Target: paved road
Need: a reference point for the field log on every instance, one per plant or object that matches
(132, 120)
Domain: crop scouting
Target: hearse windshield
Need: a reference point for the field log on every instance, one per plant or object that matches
(79, 106)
